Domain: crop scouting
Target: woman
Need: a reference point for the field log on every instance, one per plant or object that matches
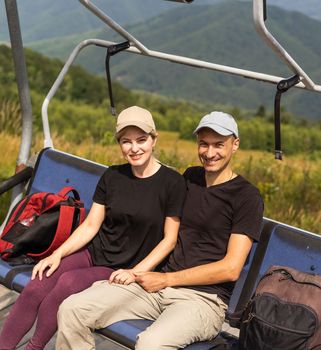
(132, 226)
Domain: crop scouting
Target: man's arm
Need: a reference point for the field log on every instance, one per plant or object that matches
(225, 270)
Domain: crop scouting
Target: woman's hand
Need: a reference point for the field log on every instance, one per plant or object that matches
(51, 263)
(122, 276)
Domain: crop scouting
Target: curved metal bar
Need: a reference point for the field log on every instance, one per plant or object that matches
(258, 17)
(44, 109)
(155, 54)
(216, 67)
(111, 23)
(18, 178)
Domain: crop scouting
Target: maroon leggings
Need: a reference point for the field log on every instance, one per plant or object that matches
(42, 299)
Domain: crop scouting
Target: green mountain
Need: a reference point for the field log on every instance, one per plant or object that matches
(44, 19)
(223, 34)
(310, 8)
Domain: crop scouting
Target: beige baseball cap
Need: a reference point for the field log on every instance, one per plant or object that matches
(136, 116)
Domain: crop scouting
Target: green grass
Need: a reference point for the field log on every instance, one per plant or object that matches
(291, 188)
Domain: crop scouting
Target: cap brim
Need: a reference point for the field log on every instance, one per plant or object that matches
(216, 128)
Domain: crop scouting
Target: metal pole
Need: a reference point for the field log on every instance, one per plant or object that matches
(22, 81)
(23, 92)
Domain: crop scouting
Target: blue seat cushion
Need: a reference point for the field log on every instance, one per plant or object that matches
(125, 333)
(14, 277)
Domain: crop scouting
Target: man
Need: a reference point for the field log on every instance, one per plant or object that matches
(188, 299)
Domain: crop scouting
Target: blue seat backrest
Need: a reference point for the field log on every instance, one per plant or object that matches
(55, 170)
(241, 281)
(292, 247)
(244, 286)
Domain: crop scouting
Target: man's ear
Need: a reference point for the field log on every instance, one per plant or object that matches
(236, 145)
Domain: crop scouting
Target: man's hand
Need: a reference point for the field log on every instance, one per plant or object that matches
(152, 281)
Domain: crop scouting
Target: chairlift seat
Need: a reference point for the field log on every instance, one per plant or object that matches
(279, 244)
(54, 170)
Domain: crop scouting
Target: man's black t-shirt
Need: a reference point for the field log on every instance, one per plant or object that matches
(136, 209)
(210, 215)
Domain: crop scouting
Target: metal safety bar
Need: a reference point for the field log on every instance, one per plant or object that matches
(138, 48)
(258, 16)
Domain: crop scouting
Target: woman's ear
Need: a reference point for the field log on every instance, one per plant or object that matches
(154, 139)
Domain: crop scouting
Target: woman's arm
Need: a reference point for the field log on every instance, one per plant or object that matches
(155, 257)
(163, 248)
(78, 239)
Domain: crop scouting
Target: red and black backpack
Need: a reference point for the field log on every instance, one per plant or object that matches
(39, 224)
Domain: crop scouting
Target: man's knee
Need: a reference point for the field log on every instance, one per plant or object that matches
(148, 340)
(74, 328)
(78, 312)
(68, 310)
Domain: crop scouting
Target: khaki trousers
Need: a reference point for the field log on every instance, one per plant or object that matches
(182, 315)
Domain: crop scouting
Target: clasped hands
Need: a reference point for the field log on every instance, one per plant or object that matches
(150, 281)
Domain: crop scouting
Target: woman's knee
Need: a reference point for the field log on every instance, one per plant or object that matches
(35, 290)
(67, 283)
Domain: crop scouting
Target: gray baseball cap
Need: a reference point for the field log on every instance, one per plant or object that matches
(223, 123)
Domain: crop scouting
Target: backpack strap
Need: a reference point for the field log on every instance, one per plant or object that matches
(64, 226)
(82, 215)
(63, 230)
(64, 191)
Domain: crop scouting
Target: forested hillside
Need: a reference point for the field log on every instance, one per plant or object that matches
(81, 109)
(223, 34)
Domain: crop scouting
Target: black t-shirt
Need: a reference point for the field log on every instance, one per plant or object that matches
(136, 209)
(210, 215)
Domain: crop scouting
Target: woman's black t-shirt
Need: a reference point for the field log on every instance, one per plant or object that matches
(210, 215)
(135, 212)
